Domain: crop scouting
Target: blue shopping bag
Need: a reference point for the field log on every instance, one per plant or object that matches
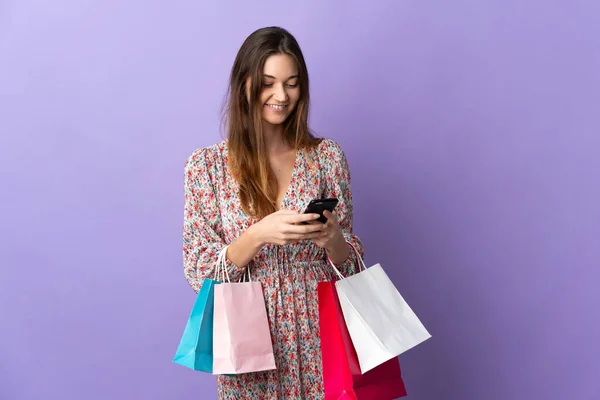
(195, 349)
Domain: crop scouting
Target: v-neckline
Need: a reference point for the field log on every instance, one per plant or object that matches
(285, 198)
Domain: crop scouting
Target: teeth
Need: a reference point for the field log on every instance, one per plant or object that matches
(276, 107)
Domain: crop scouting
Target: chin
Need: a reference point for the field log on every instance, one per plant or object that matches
(274, 120)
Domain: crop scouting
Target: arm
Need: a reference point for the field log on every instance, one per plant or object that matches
(201, 243)
(338, 185)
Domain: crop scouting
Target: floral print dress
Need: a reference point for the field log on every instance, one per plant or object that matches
(289, 274)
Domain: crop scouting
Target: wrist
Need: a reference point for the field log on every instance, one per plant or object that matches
(339, 250)
(256, 239)
(339, 242)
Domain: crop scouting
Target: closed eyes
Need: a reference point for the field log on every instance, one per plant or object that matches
(288, 85)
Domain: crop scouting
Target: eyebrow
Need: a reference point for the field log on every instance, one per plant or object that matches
(272, 77)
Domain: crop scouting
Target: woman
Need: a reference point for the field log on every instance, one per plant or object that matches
(249, 192)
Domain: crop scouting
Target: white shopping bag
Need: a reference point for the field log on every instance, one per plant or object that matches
(381, 324)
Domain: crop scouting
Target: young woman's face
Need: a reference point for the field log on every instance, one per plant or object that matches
(280, 91)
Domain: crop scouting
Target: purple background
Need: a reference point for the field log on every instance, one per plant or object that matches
(471, 127)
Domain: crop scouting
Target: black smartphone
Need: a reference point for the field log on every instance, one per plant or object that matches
(317, 206)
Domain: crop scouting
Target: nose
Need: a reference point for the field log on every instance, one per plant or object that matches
(280, 94)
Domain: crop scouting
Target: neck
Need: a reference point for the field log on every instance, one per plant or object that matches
(273, 135)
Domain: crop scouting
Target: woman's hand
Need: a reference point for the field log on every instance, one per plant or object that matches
(333, 240)
(333, 237)
(285, 227)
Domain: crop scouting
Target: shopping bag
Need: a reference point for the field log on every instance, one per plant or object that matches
(380, 322)
(195, 348)
(241, 336)
(342, 379)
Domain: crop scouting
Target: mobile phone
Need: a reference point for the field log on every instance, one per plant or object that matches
(317, 206)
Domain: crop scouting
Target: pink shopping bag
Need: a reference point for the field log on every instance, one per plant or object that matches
(241, 336)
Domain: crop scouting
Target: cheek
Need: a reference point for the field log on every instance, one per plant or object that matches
(263, 97)
(294, 96)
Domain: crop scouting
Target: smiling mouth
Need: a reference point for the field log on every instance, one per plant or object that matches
(277, 107)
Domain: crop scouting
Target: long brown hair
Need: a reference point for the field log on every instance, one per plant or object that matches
(248, 159)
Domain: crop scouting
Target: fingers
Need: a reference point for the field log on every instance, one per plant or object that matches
(296, 218)
(294, 227)
(303, 236)
(303, 229)
(331, 216)
(291, 238)
(292, 233)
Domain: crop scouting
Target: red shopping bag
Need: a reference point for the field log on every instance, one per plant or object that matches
(342, 379)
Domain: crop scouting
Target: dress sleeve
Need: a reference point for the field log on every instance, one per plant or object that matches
(337, 175)
(201, 243)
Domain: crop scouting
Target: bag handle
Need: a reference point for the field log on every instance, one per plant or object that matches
(246, 273)
(221, 267)
(217, 273)
(360, 260)
(217, 268)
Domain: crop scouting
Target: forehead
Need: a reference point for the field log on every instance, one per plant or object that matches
(281, 66)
